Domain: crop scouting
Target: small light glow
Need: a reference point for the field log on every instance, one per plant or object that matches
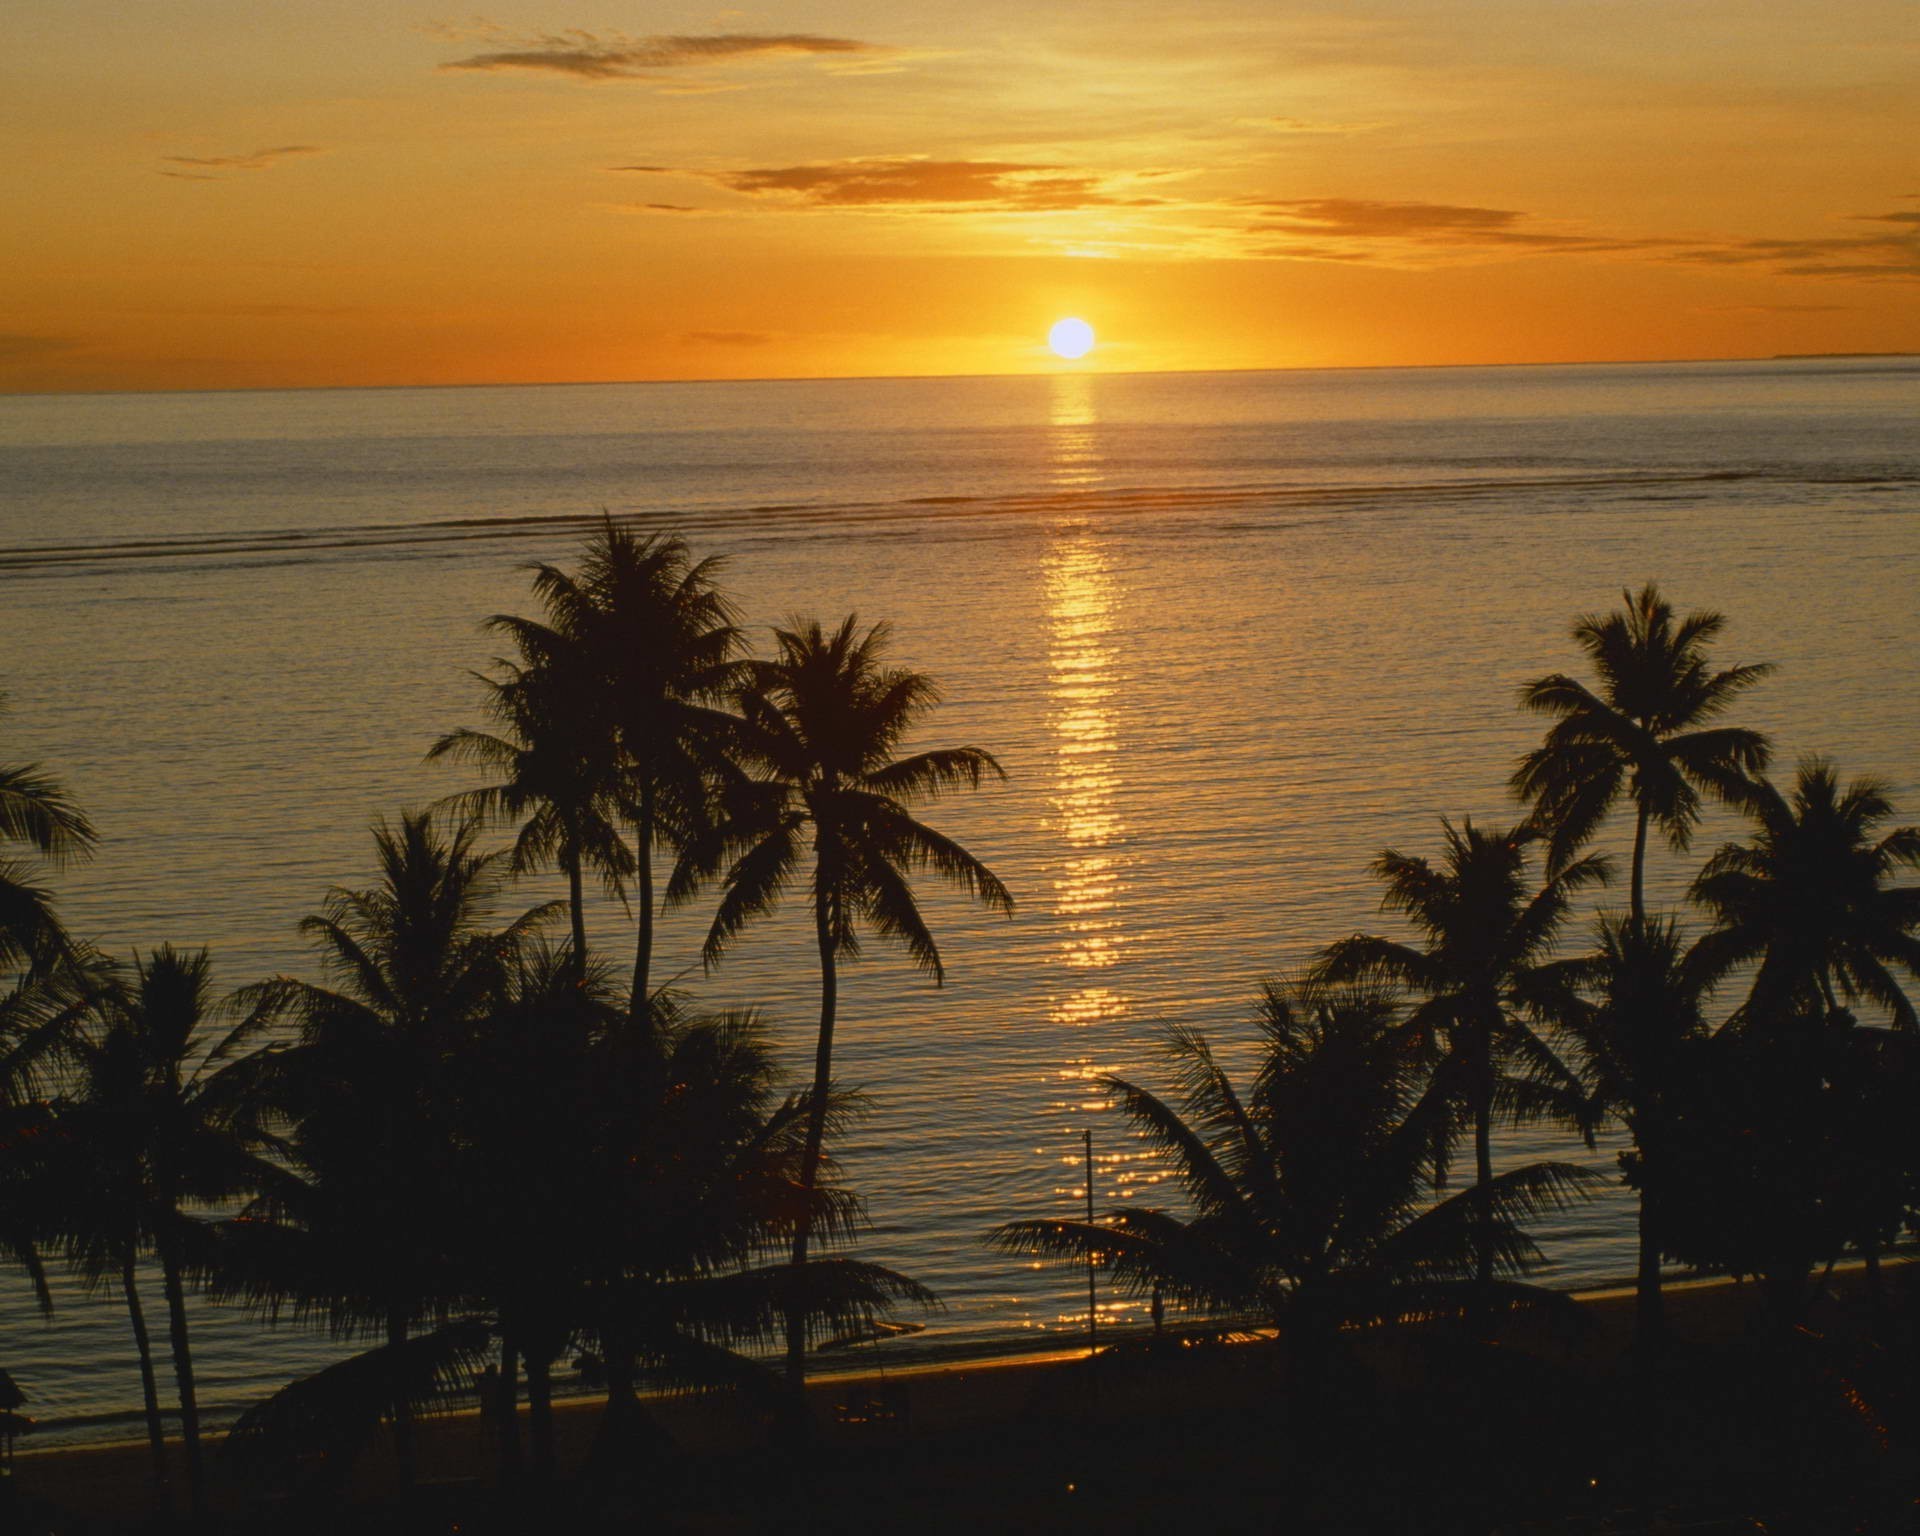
(1070, 338)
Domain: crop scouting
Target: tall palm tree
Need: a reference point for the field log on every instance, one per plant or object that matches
(555, 763)
(663, 640)
(1308, 1193)
(1644, 733)
(1482, 974)
(165, 1118)
(824, 721)
(1810, 897)
(1639, 1011)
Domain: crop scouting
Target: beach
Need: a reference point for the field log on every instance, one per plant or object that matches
(1023, 1442)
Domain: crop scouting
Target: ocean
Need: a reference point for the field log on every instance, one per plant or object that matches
(1229, 634)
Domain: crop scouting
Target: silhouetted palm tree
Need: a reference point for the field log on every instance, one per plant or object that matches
(415, 966)
(1640, 1011)
(1810, 897)
(37, 811)
(824, 721)
(1308, 1194)
(1643, 734)
(46, 984)
(556, 761)
(1484, 972)
(663, 640)
(162, 1119)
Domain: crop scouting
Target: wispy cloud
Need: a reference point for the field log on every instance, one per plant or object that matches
(972, 186)
(1890, 256)
(615, 56)
(26, 347)
(212, 167)
(726, 338)
(1307, 127)
(1346, 218)
(1774, 309)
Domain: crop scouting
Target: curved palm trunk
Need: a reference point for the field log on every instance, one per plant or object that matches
(149, 1389)
(1638, 908)
(401, 1409)
(816, 1135)
(638, 1009)
(183, 1376)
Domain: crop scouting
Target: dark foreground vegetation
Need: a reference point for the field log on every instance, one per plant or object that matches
(482, 1151)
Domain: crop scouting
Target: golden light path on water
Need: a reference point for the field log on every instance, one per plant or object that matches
(1089, 882)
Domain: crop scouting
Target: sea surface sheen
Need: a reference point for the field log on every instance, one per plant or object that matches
(1230, 635)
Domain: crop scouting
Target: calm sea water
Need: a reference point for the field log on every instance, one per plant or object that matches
(1230, 635)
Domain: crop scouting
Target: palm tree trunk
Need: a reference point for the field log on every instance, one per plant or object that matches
(1649, 1305)
(507, 1411)
(402, 1410)
(183, 1376)
(149, 1390)
(816, 1134)
(576, 907)
(637, 1008)
(540, 1415)
(1639, 893)
(1483, 1179)
(1826, 992)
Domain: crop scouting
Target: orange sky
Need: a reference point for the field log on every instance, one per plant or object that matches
(222, 193)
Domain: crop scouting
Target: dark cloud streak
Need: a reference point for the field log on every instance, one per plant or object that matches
(589, 56)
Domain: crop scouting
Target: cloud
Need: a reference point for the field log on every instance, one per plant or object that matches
(726, 338)
(1775, 309)
(1302, 125)
(937, 185)
(1424, 223)
(207, 167)
(25, 347)
(1892, 256)
(615, 56)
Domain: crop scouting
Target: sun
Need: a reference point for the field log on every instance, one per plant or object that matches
(1070, 338)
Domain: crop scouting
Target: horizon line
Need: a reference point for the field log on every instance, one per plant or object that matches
(885, 378)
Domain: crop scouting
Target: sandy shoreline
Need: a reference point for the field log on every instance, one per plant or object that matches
(109, 1482)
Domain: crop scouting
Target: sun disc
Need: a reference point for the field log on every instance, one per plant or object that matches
(1070, 338)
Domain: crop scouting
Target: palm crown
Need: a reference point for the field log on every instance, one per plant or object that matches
(1642, 734)
(1308, 1195)
(824, 721)
(1809, 896)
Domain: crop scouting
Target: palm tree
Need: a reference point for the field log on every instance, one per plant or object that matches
(1483, 973)
(555, 761)
(415, 967)
(163, 1119)
(1810, 898)
(1639, 1014)
(46, 985)
(37, 811)
(823, 724)
(663, 640)
(1308, 1194)
(1643, 733)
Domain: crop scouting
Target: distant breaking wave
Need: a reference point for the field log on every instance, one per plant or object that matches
(786, 520)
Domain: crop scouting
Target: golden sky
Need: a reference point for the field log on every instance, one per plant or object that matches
(232, 193)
